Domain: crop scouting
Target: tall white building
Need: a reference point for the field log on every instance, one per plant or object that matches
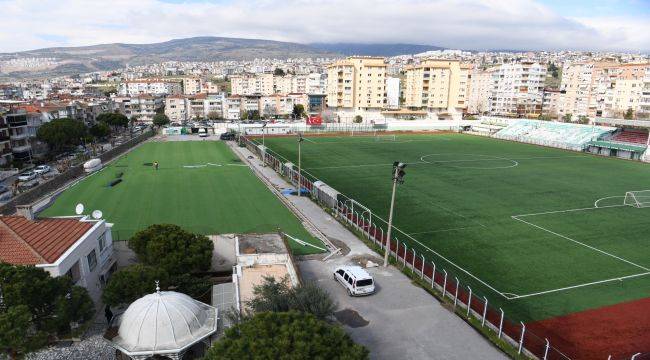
(480, 90)
(392, 92)
(518, 89)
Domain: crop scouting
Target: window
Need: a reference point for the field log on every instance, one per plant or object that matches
(74, 272)
(92, 260)
(102, 242)
(340, 272)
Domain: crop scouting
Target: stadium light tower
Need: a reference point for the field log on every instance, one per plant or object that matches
(264, 133)
(300, 140)
(398, 177)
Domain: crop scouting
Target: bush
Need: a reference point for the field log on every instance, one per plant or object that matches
(290, 335)
(133, 282)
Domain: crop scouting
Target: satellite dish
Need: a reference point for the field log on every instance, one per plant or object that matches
(97, 214)
(79, 209)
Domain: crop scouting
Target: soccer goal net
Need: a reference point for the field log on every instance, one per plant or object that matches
(638, 199)
(385, 138)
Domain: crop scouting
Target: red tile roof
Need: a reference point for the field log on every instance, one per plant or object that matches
(43, 241)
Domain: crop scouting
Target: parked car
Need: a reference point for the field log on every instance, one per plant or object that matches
(27, 176)
(42, 169)
(227, 136)
(203, 132)
(355, 280)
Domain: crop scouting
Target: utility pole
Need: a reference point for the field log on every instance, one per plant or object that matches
(264, 133)
(398, 177)
(300, 140)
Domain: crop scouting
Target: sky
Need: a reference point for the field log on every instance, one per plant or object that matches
(459, 24)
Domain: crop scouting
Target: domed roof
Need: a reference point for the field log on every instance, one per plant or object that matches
(164, 322)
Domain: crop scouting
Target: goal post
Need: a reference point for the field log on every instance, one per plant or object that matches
(638, 199)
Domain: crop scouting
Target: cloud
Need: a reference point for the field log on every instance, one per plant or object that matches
(467, 24)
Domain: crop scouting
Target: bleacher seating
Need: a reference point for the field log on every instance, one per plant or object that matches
(561, 135)
(631, 136)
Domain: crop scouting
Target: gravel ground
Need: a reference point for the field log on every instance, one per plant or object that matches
(93, 346)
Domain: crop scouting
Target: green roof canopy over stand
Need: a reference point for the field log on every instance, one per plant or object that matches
(617, 146)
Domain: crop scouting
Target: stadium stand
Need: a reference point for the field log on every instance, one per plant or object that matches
(631, 136)
(560, 135)
(488, 125)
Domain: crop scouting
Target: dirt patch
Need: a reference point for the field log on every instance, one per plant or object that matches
(350, 318)
(362, 260)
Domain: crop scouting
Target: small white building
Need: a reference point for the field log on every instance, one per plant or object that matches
(163, 325)
(78, 247)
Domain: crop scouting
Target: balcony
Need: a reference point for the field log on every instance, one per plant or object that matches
(20, 136)
(21, 148)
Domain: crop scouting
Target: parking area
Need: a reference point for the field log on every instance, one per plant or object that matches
(399, 321)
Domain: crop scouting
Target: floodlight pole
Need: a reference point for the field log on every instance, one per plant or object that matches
(299, 164)
(390, 216)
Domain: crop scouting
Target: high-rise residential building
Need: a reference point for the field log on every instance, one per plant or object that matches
(438, 86)
(150, 87)
(480, 90)
(356, 86)
(518, 89)
(392, 92)
(602, 88)
(644, 104)
(248, 84)
(142, 107)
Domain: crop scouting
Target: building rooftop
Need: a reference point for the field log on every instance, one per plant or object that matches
(43, 241)
(261, 244)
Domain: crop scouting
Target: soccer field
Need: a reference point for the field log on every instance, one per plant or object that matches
(540, 232)
(200, 185)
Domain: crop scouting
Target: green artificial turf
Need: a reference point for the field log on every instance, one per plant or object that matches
(189, 190)
(457, 205)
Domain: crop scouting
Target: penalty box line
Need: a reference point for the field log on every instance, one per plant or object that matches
(515, 297)
(581, 243)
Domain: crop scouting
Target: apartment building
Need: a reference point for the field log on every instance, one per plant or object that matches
(517, 89)
(150, 87)
(392, 92)
(17, 126)
(199, 106)
(357, 86)
(437, 86)
(142, 107)
(192, 85)
(278, 104)
(644, 103)
(551, 102)
(78, 247)
(479, 90)
(248, 84)
(5, 142)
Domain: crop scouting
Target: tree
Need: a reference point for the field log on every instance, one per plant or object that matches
(100, 130)
(276, 296)
(358, 119)
(133, 282)
(160, 120)
(52, 302)
(278, 72)
(63, 133)
(298, 111)
(214, 115)
(173, 249)
(582, 119)
(114, 120)
(567, 117)
(17, 334)
(629, 114)
(290, 335)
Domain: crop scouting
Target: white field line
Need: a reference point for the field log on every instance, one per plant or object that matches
(605, 198)
(580, 285)
(310, 140)
(581, 243)
(568, 210)
(444, 230)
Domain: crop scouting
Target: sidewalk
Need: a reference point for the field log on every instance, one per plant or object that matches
(400, 321)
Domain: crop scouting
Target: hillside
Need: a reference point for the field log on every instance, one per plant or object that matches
(374, 49)
(72, 60)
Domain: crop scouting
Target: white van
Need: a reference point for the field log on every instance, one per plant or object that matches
(203, 132)
(355, 279)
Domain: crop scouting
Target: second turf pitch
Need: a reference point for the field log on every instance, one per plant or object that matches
(541, 232)
(200, 185)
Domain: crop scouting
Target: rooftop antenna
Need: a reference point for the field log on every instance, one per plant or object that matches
(97, 214)
(79, 209)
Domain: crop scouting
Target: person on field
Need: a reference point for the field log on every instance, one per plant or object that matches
(155, 165)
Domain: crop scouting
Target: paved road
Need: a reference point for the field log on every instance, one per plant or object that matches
(403, 321)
